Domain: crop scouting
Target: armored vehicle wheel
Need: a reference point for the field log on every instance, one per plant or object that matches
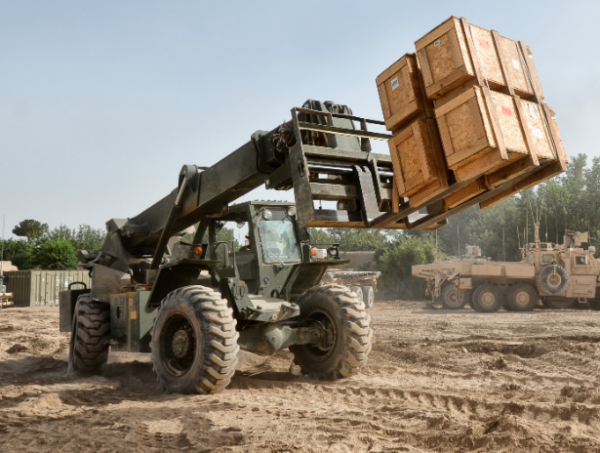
(359, 292)
(194, 341)
(346, 341)
(368, 296)
(557, 304)
(553, 279)
(487, 299)
(452, 299)
(88, 350)
(522, 297)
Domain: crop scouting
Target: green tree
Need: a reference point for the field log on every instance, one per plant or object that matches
(395, 262)
(30, 229)
(56, 255)
(83, 238)
(19, 252)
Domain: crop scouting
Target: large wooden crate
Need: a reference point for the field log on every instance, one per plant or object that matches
(557, 165)
(480, 132)
(419, 168)
(401, 93)
(457, 55)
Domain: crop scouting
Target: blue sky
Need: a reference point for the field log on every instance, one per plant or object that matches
(102, 102)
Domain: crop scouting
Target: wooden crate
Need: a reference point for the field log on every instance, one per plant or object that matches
(444, 58)
(538, 141)
(480, 132)
(457, 53)
(541, 174)
(401, 93)
(419, 168)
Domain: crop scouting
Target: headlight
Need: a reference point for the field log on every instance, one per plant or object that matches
(267, 214)
(291, 212)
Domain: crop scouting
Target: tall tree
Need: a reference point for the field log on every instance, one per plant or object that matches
(30, 229)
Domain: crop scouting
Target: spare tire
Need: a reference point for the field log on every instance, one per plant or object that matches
(553, 279)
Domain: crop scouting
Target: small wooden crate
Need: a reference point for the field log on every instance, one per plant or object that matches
(459, 54)
(480, 132)
(419, 169)
(401, 93)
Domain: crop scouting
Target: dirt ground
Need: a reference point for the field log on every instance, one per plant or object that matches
(436, 381)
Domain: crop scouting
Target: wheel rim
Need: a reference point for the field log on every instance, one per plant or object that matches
(522, 298)
(178, 345)
(488, 299)
(554, 280)
(322, 350)
(452, 299)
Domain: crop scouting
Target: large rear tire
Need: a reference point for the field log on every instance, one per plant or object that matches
(359, 292)
(487, 299)
(194, 341)
(347, 340)
(522, 297)
(88, 349)
(452, 299)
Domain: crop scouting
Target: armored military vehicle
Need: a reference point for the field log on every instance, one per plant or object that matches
(558, 275)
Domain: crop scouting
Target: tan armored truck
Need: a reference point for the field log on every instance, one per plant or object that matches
(559, 275)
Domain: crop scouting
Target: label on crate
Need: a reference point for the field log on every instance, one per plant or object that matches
(436, 42)
(516, 64)
(506, 110)
(394, 82)
(485, 44)
(533, 111)
(537, 132)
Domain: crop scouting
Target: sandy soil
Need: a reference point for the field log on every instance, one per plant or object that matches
(435, 382)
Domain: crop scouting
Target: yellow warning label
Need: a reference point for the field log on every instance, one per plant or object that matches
(133, 314)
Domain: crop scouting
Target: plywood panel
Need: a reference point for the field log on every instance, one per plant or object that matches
(516, 73)
(487, 55)
(534, 121)
(510, 125)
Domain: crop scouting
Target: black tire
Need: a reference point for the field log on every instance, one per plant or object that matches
(553, 279)
(522, 297)
(338, 310)
(452, 299)
(359, 292)
(88, 349)
(368, 296)
(194, 341)
(558, 304)
(487, 299)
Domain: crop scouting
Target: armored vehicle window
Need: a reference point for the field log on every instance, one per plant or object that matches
(277, 238)
(581, 260)
(547, 258)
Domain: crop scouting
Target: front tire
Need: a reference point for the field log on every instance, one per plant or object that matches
(194, 341)
(347, 342)
(487, 299)
(88, 349)
(452, 299)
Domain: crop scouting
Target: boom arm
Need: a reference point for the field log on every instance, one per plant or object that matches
(319, 153)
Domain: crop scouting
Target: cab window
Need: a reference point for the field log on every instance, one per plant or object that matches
(581, 260)
(547, 258)
(277, 237)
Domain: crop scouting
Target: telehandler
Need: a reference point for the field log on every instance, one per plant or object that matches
(195, 304)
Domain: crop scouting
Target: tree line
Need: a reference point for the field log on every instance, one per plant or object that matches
(39, 247)
(570, 201)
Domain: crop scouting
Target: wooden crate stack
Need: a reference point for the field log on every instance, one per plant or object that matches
(467, 119)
